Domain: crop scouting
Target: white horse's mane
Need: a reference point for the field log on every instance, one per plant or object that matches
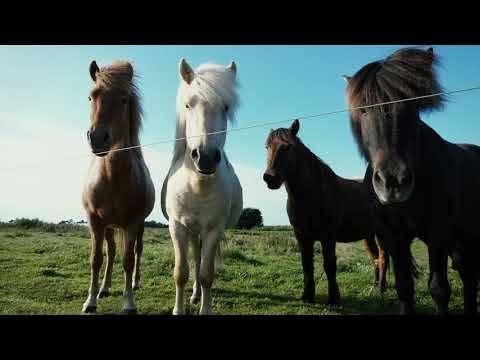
(215, 84)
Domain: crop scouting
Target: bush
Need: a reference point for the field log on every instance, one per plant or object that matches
(154, 224)
(249, 219)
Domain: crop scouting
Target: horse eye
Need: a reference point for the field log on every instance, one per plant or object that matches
(187, 106)
(89, 98)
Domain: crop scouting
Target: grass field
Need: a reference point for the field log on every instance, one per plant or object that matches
(47, 272)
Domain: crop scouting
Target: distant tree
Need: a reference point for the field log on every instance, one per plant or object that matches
(154, 224)
(250, 218)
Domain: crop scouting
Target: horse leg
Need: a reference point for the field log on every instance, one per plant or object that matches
(399, 250)
(373, 253)
(438, 280)
(96, 259)
(180, 236)
(107, 279)
(197, 290)
(138, 255)
(468, 274)
(383, 263)
(207, 269)
(306, 248)
(130, 235)
(330, 267)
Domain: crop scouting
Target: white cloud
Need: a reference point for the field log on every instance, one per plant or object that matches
(43, 167)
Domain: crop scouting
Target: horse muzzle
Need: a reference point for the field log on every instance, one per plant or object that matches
(206, 162)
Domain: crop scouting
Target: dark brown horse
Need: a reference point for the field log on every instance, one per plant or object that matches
(423, 186)
(321, 206)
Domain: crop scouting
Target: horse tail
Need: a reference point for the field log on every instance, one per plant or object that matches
(163, 196)
(120, 236)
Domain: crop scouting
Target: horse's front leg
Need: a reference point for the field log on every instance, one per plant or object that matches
(306, 249)
(210, 242)
(438, 279)
(180, 237)
(383, 263)
(130, 236)
(330, 268)
(107, 279)
(97, 232)
(197, 290)
(399, 249)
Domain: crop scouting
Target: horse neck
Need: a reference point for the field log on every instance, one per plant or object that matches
(307, 173)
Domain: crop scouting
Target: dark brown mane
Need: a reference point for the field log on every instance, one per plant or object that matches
(407, 73)
(283, 135)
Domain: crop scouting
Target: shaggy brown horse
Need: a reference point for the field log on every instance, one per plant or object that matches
(119, 192)
(423, 186)
(321, 206)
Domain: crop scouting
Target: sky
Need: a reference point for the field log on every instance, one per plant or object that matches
(44, 114)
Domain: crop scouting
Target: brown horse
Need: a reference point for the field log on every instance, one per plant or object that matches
(321, 206)
(119, 192)
(423, 186)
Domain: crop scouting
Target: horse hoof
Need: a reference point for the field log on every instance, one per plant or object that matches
(308, 299)
(130, 311)
(89, 309)
(103, 294)
(194, 300)
(178, 312)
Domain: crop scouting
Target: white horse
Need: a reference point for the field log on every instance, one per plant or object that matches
(201, 195)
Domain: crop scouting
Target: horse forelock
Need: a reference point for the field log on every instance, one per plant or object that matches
(407, 73)
(120, 76)
(214, 84)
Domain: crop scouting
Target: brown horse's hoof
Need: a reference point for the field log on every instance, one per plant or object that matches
(89, 309)
(103, 294)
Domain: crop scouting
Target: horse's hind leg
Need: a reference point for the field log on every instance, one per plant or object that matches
(96, 258)
(383, 263)
(138, 255)
(438, 280)
(373, 253)
(180, 238)
(130, 236)
(468, 274)
(330, 267)
(107, 279)
(197, 290)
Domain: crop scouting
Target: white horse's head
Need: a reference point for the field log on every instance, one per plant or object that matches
(206, 100)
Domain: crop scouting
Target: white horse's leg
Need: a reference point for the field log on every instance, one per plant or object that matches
(128, 264)
(197, 290)
(96, 258)
(107, 279)
(180, 238)
(207, 269)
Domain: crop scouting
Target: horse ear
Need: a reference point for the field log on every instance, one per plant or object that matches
(93, 70)
(186, 71)
(346, 78)
(430, 50)
(232, 67)
(295, 127)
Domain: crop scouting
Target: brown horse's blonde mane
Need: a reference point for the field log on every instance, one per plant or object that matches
(407, 73)
(119, 76)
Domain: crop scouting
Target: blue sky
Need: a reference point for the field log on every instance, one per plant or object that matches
(44, 114)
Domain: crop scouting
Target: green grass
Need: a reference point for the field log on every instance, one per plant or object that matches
(48, 273)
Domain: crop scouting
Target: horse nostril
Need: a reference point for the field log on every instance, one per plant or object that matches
(267, 177)
(377, 177)
(194, 154)
(217, 156)
(407, 179)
